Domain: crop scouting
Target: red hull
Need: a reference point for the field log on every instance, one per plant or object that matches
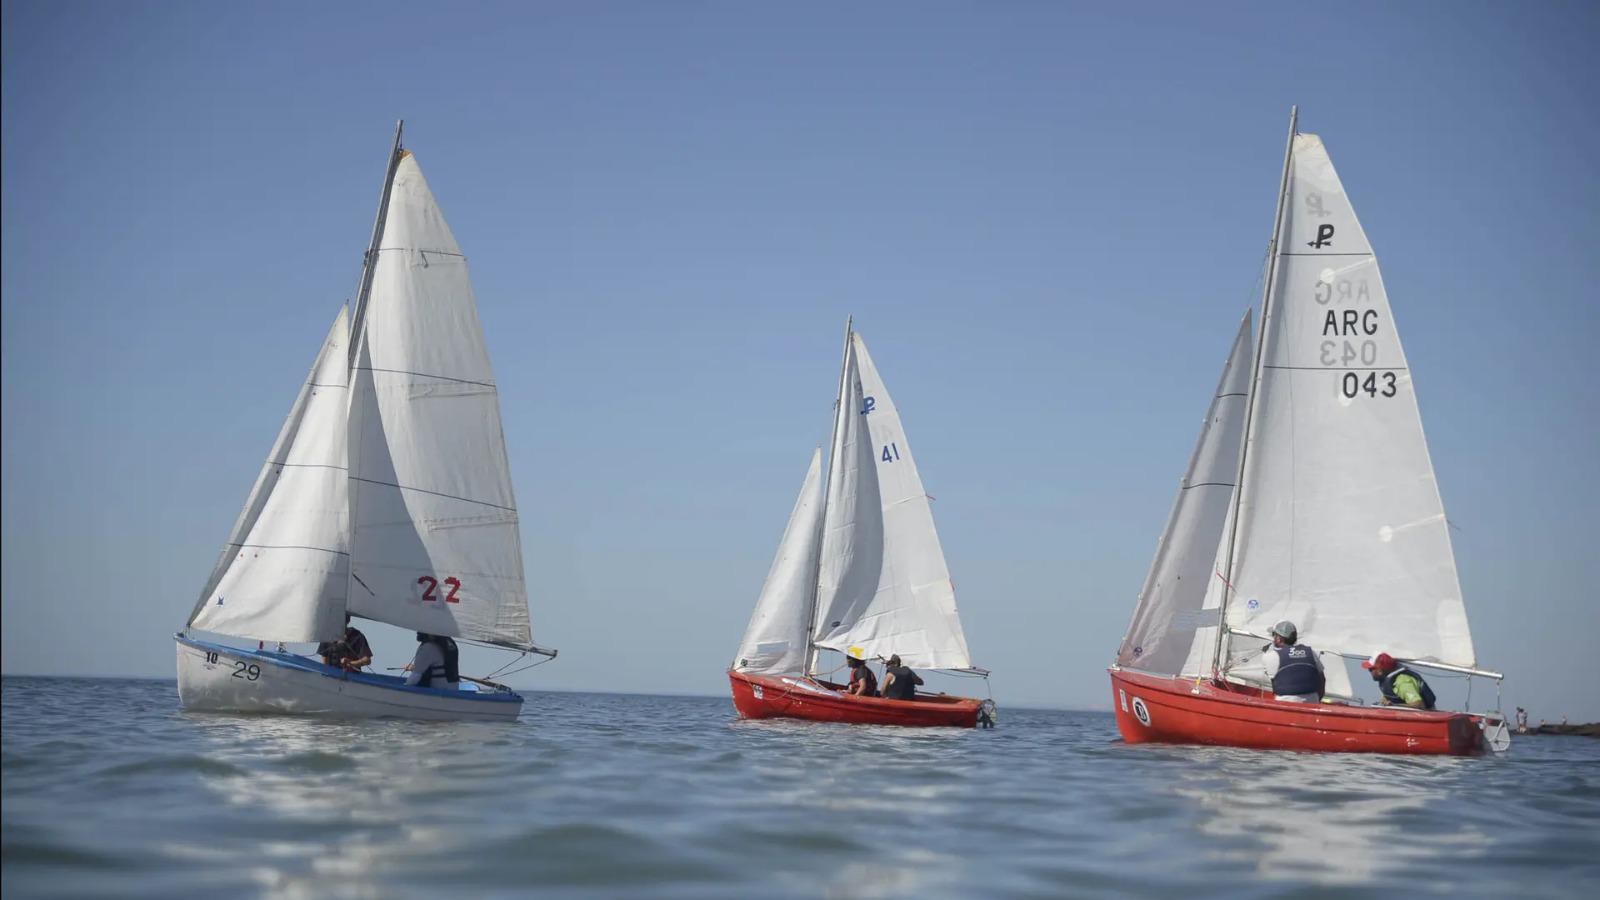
(1160, 709)
(768, 697)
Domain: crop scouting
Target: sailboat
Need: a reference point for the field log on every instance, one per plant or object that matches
(387, 496)
(859, 571)
(1309, 497)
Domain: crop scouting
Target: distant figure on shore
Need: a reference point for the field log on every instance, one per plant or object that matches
(1522, 721)
(1294, 668)
(437, 663)
(862, 682)
(1399, 685)
(349, 652)
(899, 682)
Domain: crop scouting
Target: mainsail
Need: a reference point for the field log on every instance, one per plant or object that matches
(388, 493)
(775, 641)
(1341, 528)
(1170, 604)
(435, 543)
(281, 575)
(884, 587)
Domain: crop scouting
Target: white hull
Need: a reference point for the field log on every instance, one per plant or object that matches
(217, 678)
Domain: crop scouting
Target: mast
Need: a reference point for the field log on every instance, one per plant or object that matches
(1250, 402)
(827, 485)
(369, 262)
(358, 314)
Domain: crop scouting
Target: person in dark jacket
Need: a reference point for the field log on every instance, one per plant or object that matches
(350, 652)
(1295, 669)
(1399, 685)
(899, 682)
(862, 682)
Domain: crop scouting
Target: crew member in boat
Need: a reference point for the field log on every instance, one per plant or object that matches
(437, 663)
(899, 682)
(350, 652)
(1295, 669)
(1399, 685)
(862, 682)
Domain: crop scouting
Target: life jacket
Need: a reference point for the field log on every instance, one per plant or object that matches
(1386, 686)
(862, 673)
(1298, 672)
(904, 686)
(449, 672)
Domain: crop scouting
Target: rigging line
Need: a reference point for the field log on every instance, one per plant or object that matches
(286, 547)
(434, 493)
(487, 384)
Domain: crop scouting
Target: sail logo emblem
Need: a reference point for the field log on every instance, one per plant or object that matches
(1141, 712)
(1254, 603)
(867, 405)
(1314, 206)
(1324, 237)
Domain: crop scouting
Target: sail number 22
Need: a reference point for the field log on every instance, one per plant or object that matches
(430, 587)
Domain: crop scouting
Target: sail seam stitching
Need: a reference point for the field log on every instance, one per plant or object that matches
(1341, 368)
(1327, 254)
(487, 384)
(434, 493)
(288, 547)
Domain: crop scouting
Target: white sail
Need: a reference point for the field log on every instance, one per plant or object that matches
(775, 641)
(884, 585)
(1341, 527)
(281, 575)
(435, 543)
(1170, 605)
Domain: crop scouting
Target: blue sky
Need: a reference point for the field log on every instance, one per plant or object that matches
(1046, 218)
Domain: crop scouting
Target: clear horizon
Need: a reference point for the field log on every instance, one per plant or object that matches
(1046, 220)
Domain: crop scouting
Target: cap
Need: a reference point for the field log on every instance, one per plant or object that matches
(1382, 661)
(1286, 630)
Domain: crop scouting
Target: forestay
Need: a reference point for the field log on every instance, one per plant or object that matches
(775, 641)
(435, 543)
(884, 587)
(1170, 605)
(281, 575)
(1341, 527)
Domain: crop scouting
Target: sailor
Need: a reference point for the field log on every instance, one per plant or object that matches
(349, 652)
(899, 682)
(1295, 669)
(862, 682)
(437, 663)
(1399, 685)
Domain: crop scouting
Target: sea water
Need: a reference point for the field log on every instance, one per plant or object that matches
(111, 790)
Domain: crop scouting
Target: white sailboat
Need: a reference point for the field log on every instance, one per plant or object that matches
(1310, 497)
(859, 571)
(387, 495)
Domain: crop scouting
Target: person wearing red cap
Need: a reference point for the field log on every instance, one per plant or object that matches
(1399, 685)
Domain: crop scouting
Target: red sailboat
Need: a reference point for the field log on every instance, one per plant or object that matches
(859, 571)
(1310, 497)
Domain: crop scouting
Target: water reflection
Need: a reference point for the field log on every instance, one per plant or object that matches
(1332, 819)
